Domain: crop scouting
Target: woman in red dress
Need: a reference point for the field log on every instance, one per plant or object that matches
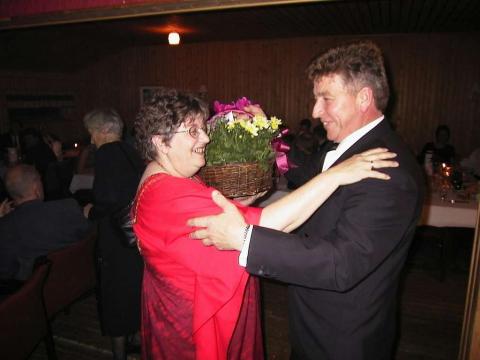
(197, 302)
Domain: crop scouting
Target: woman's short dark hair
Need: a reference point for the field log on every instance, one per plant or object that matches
(163, 115)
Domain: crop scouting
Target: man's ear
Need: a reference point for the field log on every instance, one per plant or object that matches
(364, 98)
(38, 190)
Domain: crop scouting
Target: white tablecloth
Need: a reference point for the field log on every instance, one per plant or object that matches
(436, 212)
(81, 181)
(451, 212)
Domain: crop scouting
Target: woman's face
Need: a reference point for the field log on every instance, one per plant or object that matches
(185, 154)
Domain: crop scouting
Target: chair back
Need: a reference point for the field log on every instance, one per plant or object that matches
(72, 274)
(23, 321)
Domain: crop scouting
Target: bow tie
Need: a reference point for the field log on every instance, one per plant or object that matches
(330, 146)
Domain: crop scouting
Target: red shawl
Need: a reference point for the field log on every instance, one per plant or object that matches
(192, 295)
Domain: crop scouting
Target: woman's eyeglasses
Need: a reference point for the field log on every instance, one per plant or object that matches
(193, 131)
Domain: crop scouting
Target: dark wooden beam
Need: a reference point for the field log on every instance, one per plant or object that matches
(138, 10)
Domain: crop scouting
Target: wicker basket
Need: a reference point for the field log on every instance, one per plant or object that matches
(238, 179)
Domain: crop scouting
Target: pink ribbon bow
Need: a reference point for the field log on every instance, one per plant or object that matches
(281, 148)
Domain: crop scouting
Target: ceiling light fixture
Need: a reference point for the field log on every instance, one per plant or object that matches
(173, 38)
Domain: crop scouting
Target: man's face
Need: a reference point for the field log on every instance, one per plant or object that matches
(336, 107)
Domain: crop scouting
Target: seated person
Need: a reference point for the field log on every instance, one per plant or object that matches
(305, 141)
(320, 137)
(36, 151)
(472, 163)
(58, 174)
(34, 227)
(440, 149)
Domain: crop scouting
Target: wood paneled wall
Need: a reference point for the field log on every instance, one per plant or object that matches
(29, 83)
(435, 79)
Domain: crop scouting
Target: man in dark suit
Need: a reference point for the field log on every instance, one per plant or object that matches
(344, 263)
(34, 227)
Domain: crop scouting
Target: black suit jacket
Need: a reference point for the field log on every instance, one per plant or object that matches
(34, 229)
(344, 263)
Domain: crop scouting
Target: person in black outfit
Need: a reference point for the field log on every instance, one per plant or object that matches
(441, 151)
(118, 168)
(37, 152)
(35, 227)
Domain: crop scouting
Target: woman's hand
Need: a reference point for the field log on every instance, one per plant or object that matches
(254, 110)
(362, 166)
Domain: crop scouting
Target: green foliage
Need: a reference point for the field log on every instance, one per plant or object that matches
(241, 140)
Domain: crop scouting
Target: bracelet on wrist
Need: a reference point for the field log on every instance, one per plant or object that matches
(245, 232)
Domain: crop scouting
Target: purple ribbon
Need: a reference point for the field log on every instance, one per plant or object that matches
(281, 148)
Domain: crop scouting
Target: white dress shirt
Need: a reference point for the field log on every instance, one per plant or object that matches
(347, 143)
(330, 158)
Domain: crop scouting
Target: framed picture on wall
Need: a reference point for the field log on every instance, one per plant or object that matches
(146, 92)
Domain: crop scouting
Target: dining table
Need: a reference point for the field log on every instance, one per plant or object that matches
(450, 209)
(445, 210)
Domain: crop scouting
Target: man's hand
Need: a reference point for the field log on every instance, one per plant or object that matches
(225, 231)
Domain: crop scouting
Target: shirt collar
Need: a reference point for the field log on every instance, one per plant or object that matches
(346, 143)
(351, 139)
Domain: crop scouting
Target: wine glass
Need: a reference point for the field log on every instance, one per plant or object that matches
(457, 179)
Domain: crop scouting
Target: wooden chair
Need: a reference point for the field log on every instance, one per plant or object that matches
(23, 320)
(71, 276)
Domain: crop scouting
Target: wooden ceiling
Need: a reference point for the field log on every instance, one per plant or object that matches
(40, 46)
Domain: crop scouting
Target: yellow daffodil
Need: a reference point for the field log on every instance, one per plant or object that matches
(260, 122)
(275, 123)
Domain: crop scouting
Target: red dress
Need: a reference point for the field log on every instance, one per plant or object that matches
(197, 302)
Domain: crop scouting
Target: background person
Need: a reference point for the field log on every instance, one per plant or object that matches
(35, 227)
(304, 139)
(118, 168)
(439, 151)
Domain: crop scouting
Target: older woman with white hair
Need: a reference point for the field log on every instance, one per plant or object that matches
(118, 169)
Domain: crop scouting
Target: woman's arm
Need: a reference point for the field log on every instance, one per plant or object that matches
(227, 230)
(291, 211)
